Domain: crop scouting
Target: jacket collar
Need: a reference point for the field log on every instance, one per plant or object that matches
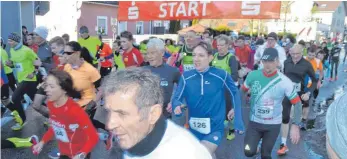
(151, 141)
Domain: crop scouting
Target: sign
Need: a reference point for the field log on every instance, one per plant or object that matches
(173, 10)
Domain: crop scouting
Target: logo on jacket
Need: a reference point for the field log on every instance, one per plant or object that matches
(73, 127)
(207, 82)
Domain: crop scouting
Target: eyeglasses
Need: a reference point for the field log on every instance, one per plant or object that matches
(68, 53)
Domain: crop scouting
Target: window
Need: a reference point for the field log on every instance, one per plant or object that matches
(157, 23)
(122, 26)
(139, 27)
(102, 25)
(339, 10)
(167, 25)
(323, 6)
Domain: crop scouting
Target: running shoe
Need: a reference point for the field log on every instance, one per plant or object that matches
(283, 150)
(54, 154)
(19, 121)
(231, 134)
(336, 78)
(34, 140)
(331, 79)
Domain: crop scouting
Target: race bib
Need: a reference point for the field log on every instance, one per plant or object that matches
(297, 87)
(19, 67)
(264, 112)
(202, 125)
(188, 67)
(60, 134)
(336, 55)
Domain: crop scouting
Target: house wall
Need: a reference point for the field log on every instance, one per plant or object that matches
(338, 21)
(89, 14)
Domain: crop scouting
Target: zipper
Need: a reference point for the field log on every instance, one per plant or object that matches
(202, 84)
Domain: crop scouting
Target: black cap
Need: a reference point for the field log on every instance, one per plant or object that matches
(241, 37)
(273, 35)
(270, 54)
(259, 42)
(84, 29)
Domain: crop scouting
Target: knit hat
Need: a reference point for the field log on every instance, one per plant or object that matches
(15, 37)
(336, 124)
(273, 35)
(42, 31)
(84, 29)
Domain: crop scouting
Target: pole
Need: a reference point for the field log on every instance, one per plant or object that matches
(258, 27)
(252, 28)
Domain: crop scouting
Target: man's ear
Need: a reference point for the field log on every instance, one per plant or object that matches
(155, 113)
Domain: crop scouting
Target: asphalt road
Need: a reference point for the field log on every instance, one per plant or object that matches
(312, 145)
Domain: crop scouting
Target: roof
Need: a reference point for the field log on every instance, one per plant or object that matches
(327, 6)
(105, 2)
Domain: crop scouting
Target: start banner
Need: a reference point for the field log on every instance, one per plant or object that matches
(180, 10)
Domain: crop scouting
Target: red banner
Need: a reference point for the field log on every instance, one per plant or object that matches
(174, 10)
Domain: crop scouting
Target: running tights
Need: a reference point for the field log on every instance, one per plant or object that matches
(25, 87)
(257, 131)
(11, 81)
(334, 67)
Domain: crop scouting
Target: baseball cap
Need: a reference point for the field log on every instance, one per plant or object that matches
(270, 54)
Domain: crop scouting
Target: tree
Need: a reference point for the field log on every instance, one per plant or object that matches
(175, 25)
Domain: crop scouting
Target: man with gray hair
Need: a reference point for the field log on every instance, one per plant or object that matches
(168, 75)
(134, 100)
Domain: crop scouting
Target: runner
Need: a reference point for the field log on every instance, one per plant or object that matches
(118, 57)
(242, 51)
(131, 55)
(89, 42)
(296, 68)
(186, 51)
(134, 101)
(168, 75)
(8, 70)
(207, 110)
(268, 88)
(335, 58)
(226, 61)
(31, 43)
(57, 45)
(105, 57)
(44, 52)
(69, 123)
(23, 60)
(318, 69)
(66, 38)
(271, 42)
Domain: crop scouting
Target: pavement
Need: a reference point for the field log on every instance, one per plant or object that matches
(311, 146)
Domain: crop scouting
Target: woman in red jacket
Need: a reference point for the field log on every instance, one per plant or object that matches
(69, 123)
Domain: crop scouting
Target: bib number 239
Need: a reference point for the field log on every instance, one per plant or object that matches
(202, 125)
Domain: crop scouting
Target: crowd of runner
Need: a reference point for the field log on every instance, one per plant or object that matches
(143, 86)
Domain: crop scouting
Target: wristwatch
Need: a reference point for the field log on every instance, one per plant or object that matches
(82, 155)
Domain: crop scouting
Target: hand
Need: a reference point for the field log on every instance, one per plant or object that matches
(231, 114)
(30, 76)
(295, 134)
(178, 110)
(319, 84)
(169, 108)
(306, 96)
(37, 63)
(102, 59)
(38, 147)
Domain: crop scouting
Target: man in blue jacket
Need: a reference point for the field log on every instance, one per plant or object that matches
(203, 90)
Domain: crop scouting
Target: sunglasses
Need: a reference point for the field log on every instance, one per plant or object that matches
(68, 53)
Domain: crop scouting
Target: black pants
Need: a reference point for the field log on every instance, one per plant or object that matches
(25, 87)
(334, 67)
(228, 102)
(104, 71)
(6, 144)
(257, 131)
(11, 81)
(5, 91)
(344, 59)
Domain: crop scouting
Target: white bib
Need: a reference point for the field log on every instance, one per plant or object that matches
(202, 125)
(19, 67)
(297, 87)
(60, 134)
(188, 67)
(336, 55)
(264, 111)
